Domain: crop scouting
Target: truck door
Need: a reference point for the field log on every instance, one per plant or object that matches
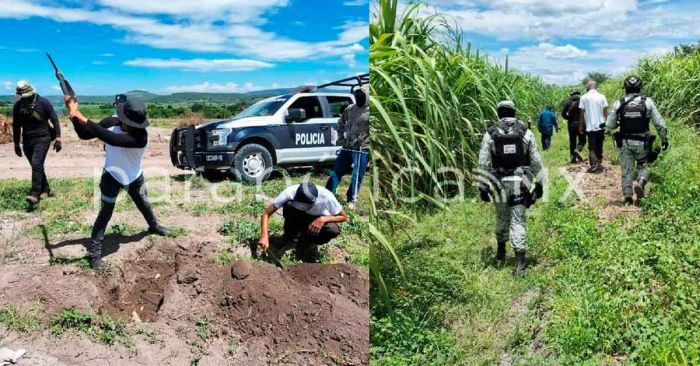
(307, 140)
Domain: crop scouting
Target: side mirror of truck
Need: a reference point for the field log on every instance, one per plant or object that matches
(295, 115)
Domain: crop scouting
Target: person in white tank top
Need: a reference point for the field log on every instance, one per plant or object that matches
(125, 139)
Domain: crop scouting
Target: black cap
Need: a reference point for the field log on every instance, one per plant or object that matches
(120, 98)
(133, 113)
(633, 82)
(305, 197)
(575, 92)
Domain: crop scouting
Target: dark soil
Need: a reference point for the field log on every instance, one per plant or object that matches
(307, 314)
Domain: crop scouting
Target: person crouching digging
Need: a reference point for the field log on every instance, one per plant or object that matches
(125, 139)
(311, 218)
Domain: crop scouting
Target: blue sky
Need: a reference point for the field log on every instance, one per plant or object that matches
(163, 46)
(562, 41)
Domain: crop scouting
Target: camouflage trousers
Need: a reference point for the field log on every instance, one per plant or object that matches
(510, 220)
(630, 154)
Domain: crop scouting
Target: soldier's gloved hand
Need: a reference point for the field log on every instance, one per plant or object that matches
(601, 126)
(18, 150)
(57, 146)
(664, 145)
(539, 190)
(484, 194)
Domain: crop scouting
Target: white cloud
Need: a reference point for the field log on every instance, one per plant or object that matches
(229, 26)
(350, 60)
(8, 85)
(107, 54)
(207, 87)
(98, 62)
(200, 64)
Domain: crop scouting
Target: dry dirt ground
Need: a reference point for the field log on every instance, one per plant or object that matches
(178, 300)
(81, 158)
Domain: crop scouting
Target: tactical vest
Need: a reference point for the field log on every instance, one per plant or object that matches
(633, 119)
(510, 151)
(30, 110)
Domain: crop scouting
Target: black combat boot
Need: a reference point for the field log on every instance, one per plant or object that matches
(159, 230)
(628, 201)
(501, 251)
(578, 156)
(32, 199)
(639, 190)
(520, 263)
(573, 160)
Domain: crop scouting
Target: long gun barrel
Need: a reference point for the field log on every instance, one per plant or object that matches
(65, 85)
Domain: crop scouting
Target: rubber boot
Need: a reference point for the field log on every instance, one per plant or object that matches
(520, 263)
(159, 230)
(501, 251)
(94, 249)
(594, 163)
(639, 190)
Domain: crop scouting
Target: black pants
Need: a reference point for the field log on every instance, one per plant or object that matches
(35, 150)
(577, 140)
(546, 141)
(595, 144)
(296, 226)
(110, 188)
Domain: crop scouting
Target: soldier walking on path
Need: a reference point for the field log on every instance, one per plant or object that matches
(509, 153)
(632, 113)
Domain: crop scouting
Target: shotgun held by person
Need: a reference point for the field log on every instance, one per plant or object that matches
(66, 88)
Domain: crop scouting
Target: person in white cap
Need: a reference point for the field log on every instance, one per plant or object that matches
(509, 158)
(353, 131)
(35, 121)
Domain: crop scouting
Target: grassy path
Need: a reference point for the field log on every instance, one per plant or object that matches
(602, 288)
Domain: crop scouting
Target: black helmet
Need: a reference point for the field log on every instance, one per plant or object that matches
(633, 83)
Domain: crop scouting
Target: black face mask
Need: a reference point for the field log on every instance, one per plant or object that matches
(360, 98)
(27, 104)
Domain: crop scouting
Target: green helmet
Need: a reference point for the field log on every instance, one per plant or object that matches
(506, 104)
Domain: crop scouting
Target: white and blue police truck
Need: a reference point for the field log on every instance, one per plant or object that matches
(291, 130)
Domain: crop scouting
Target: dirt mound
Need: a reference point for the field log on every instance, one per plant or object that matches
(314, 307)
(304, 314)
(5, 130)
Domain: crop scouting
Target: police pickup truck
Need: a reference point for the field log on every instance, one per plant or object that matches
(296, 129)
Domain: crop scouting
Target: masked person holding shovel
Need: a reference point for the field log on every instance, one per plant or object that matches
(353, 130)
(311, 218)
(35, 120)
(125, 139)
(632, 113)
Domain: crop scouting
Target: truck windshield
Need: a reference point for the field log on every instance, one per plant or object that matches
(266, 107)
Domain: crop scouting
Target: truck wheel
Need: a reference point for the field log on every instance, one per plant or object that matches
(252, 163)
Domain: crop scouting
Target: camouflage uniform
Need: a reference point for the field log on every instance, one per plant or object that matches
(633, 151)
(510, 220)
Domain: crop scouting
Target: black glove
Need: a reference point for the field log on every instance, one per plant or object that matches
(602, 126)
(484, 193)
(18, 150)
(539, 191)
(57, 146)
(664, 145)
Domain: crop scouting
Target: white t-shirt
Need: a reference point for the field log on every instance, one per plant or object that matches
(593, 103)
(125, 164)
(326, 204)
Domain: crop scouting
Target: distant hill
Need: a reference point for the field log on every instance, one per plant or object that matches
(185, 98)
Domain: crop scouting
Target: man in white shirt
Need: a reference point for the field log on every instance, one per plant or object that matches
(311, 218)
(125, 139)
(594, 111)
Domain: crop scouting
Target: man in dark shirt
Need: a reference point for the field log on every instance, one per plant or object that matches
(31, 116)
(577, 132)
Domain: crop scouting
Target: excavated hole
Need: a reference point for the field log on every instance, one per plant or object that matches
(138, 293)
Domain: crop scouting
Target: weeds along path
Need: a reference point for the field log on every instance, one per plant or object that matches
(605, 286)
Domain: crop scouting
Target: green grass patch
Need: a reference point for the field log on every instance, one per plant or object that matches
(20, 319)
(102, 329)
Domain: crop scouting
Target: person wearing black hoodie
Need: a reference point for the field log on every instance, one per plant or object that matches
(353, 131)
(30, 120)
(577, 132)
(125, 138)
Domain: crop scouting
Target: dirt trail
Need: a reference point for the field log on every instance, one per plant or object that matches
(82, 159)
(602, 189)
(256, 314)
